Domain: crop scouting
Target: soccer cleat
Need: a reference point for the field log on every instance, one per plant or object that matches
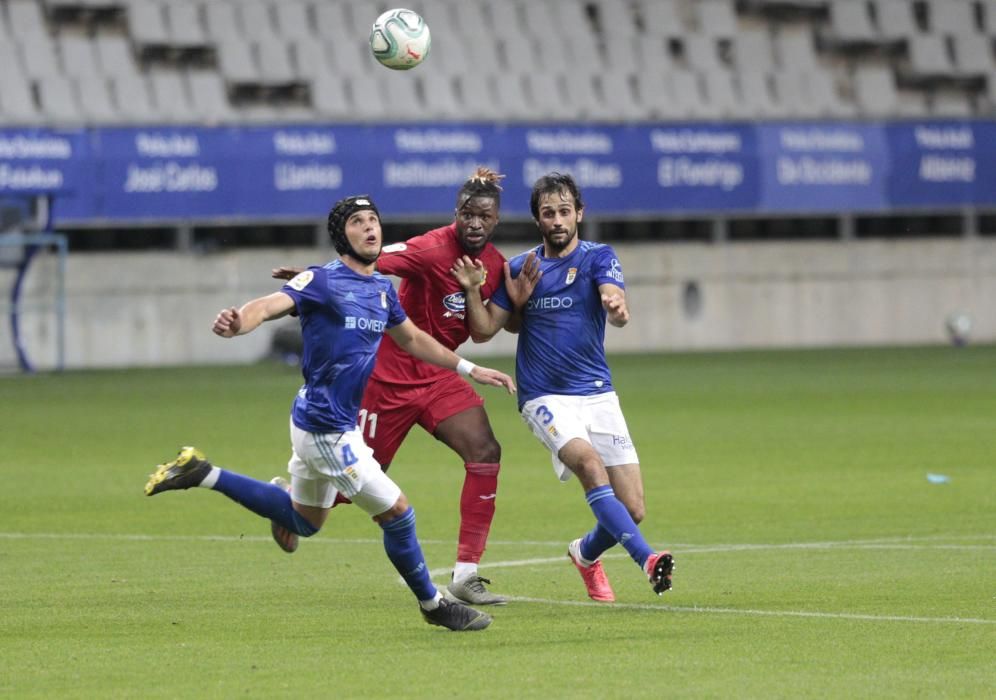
(456, 616)
(659, 568)
(471, 590)
(284, 538)
(186, 471)
(593, 576)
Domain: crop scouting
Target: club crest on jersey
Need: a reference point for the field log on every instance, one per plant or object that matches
(383, 300)
(571, 274)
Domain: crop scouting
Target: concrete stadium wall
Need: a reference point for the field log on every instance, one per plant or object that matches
(130, 309)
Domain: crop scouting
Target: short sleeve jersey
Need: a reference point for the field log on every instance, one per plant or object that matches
(561, 347)
(343, 317)
(432, 298)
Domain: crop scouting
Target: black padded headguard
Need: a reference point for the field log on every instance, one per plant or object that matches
(343, 209)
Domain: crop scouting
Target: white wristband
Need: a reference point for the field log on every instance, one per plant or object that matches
(465, 367)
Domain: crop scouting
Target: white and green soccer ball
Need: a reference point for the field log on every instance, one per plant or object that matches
(400, 39)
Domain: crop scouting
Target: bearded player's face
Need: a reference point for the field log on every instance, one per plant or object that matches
(475, 222)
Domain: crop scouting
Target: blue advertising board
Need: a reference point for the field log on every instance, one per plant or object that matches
(296, 172)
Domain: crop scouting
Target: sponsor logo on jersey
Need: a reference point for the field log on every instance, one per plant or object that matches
(364, 324)
(394, 248)
(301, 280)
(455, 303)
(550, 303)
(571, 274)
(622, 441)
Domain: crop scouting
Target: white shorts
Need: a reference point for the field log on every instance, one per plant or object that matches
(598, 420)
(323, 464)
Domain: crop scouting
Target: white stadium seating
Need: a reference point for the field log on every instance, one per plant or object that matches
(609, 61)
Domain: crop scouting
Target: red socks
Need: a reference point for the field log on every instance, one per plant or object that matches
(477, 509)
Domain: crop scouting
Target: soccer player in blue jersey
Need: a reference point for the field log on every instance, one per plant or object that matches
(345, 308)
(565, 387)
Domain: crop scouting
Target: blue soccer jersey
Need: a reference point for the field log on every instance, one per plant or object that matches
(343, 317)
(561, 347)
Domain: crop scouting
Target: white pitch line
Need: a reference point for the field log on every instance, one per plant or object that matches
(758, 613)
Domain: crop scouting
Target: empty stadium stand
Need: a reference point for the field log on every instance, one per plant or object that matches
(96, 62)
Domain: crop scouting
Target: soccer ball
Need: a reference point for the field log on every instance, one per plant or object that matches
(400, 39)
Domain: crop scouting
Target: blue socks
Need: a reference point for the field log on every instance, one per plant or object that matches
(614, 525)
(267, 500)
(405, 553)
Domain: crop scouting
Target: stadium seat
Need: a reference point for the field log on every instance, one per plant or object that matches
(951, 17)
(115, 57)
(17, 105)
(850, 24)
(973, 55)
(620, 98)
(482, 102)
(654, 54)
(796, 49)
(895, 20)
(134, 100)
(757, 95)
(255, 19)
(951, 103)
(716, 18)
(877, 96)
(335, 19)
(38, 56)
(221, 21)
(510, 100)
(185, 28)
(989, 17)
(662, 18)
(146, 22)
(292, 20)
(585, 94)
(368, 100)
(520, 53)
(689, 99)
(25, 20)
(330, 99)
(752, 49)
(94, 97)
(617, 20)
(57, 100)
(928, 57)
(310, 60)
(236, 62)
(78, 56)
(441, 101)
(274, 60)
(209, 97)
(723, 96)
(702, 53)
(169, 94)
(548, 96)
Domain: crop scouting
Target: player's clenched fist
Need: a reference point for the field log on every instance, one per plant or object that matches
(228, 323)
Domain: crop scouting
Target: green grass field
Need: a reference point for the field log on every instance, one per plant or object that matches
(814, 557)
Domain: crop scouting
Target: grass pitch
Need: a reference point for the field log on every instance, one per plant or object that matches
(814, 555)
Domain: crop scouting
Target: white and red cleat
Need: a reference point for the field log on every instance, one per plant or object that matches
(593, 576)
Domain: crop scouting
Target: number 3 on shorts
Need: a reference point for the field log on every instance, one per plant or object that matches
(544, 415)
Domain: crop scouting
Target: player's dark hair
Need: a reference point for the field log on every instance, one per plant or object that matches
(483, 183)
(341, 211)
(551, 183)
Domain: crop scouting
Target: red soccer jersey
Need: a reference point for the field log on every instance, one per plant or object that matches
(431, 297)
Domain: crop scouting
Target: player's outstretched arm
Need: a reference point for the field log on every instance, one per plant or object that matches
(417, 342)
(231, 322)
(614, 303)
(483, 321)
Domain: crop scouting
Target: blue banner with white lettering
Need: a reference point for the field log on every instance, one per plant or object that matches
(296, 172)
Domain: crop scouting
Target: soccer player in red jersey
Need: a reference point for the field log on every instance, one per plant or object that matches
(403, 391)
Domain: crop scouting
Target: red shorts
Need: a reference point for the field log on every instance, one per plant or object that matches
(388, 411)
